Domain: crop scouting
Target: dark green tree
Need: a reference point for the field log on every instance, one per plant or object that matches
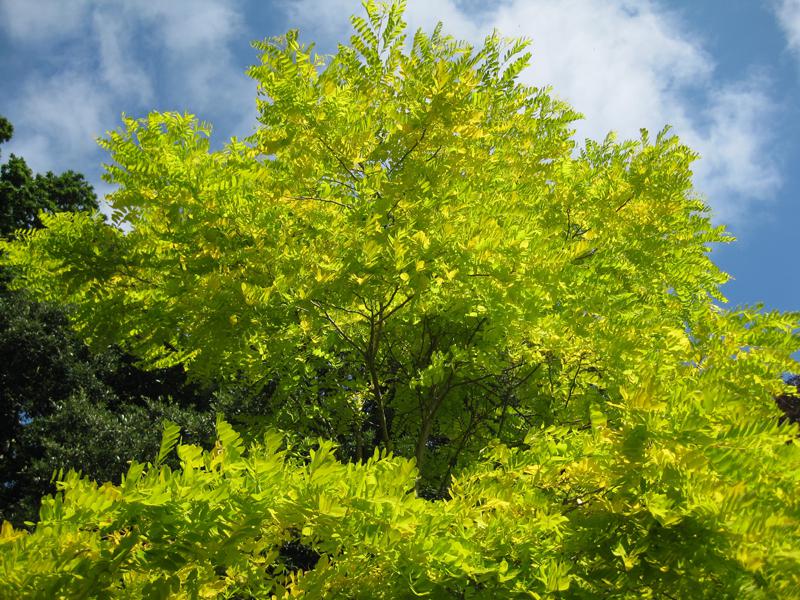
(790, 403)
(23, 194)
(6, 130)
(61, 405)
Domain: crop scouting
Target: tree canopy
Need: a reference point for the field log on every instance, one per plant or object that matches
(412, 255)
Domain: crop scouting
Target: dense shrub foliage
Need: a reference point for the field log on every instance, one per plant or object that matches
(412, 260)
(563, 513)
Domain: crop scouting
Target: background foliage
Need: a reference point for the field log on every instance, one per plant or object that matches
(64, 406)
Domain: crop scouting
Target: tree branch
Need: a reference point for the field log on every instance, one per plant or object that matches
(409, 151)
(318, 199)
(625, 203)
(338, 329)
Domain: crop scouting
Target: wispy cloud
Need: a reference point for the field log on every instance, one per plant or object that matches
(738, 170)
(624, 64)
(43, 20)
(99, 60)
(119, 67)
(197, 36)
(64, 114)
(788, 13)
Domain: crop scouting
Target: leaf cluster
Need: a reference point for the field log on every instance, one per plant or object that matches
(563, 514)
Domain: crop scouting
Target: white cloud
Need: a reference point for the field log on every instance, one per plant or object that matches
(624, 64)
(788, 13)
(196, 36)
(737, 169)
(618, 63)
(62, 118)
(192, 26)
(37, 20)
(118, 65)
(129, 57)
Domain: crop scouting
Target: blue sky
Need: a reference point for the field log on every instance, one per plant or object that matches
(725, 74)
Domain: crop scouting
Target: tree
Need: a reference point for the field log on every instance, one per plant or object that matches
(65, 407)
(413, 256)
(6, 130)
(789, 403)
(428, 246)
(23, 196)
(262, 523)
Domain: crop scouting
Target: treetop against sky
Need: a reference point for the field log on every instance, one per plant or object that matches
(723, 75)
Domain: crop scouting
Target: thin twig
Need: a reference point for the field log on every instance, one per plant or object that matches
(318, 199)
(396, 308)
(409, 151)
(621, 206)
(338, 329)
